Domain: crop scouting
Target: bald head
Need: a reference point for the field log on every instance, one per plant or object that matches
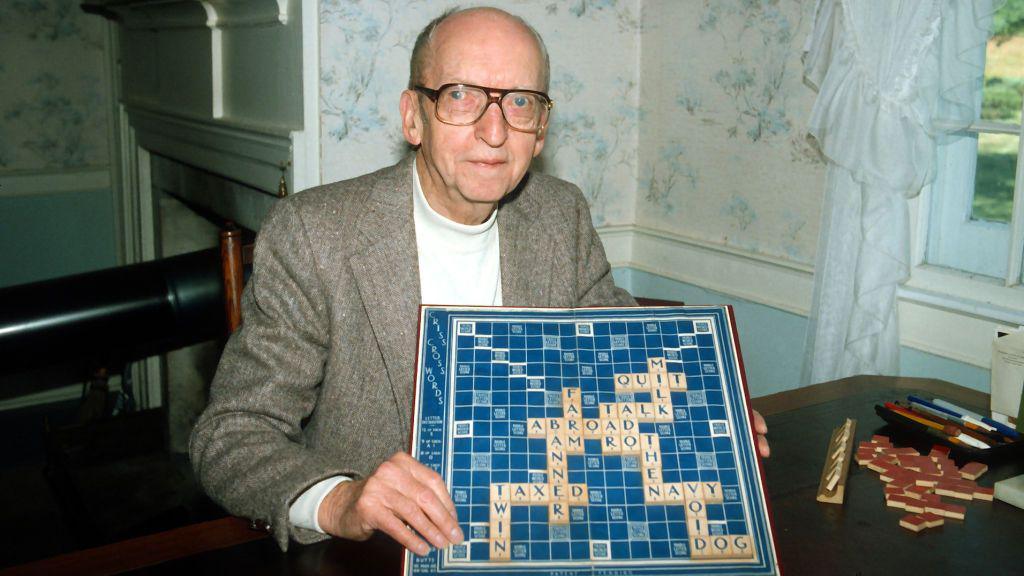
(450, 23)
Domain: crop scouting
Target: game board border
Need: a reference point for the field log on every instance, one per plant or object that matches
(727, 311)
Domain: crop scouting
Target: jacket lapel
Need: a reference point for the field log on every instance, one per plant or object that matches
(386, 270)
(525, 275)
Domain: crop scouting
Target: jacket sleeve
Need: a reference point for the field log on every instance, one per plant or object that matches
(595, 285)
(247, 448)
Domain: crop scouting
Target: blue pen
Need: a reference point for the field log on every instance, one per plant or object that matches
(1003, 428)
(935, 407)
(978, 419)
(927, 409)
(949, 405)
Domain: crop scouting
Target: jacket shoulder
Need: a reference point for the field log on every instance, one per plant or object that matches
(345, 195)
(551, 190)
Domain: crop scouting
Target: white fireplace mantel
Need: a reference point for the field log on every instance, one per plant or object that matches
(163, 14)
(228, 86)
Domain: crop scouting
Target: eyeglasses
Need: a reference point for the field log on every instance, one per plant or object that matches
(465, 104)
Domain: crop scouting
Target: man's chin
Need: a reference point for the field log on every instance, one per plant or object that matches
(486, 190)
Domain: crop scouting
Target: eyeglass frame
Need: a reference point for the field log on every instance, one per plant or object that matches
(433, 95)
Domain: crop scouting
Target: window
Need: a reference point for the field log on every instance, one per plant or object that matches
(975, 224)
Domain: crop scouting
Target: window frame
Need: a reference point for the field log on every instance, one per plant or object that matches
(998, 248)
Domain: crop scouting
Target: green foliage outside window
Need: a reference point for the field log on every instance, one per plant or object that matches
(1001, 101)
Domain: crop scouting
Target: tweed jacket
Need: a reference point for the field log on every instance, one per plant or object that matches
(318, 380)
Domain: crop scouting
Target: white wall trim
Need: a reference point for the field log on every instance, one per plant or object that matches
(954, 318)
(62, 394)
(247, 156)
(757, 278)
(306, 152)
(166, 14)
(54, 182)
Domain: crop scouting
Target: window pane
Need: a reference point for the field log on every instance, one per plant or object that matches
(1004, 65)
(994, 177)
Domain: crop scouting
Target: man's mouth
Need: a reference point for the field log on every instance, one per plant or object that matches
(488, 163)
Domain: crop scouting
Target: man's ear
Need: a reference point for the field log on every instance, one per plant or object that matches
(539, 144)
(412, 119)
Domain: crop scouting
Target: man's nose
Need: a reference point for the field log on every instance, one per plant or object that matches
(491, 128)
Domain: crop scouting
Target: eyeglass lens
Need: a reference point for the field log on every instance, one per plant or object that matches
(465, 105)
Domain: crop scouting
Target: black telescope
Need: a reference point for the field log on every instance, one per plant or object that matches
(113, 316)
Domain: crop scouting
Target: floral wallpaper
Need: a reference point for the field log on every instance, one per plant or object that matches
(723, 157)
(686, 117)
(53, 115)
(365, 48)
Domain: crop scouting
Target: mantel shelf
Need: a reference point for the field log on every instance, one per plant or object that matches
(167, 14)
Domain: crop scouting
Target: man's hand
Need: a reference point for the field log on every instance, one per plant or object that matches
(402, 498)
(761, 428)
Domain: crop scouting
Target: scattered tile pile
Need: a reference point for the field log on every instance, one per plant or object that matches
(917, 483)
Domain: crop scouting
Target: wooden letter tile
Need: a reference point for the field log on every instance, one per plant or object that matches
(644, 412)
(539, 493)
(712, 492)
(699, 548)
(559, 493)
(610, 444)
(741, 547)
(630, 444)
(653, 494)
(520, 493)
(574, 444)
(578, 494)
(536, 428)
(663, 412)
(677, 381)
(558, 513)
(656, 365)
(693, 491)
(500, 510)
(696, 509)
(720, 547)
(500, 549)
(609, 411)
(696, 525)
(674, 492)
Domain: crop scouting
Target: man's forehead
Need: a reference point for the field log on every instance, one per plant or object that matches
(484, 49)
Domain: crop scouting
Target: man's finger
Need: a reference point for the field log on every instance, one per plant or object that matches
(433, 481)
(762, 446)
(412, 514)
(759, 424)
(439, 514)
(391, 525)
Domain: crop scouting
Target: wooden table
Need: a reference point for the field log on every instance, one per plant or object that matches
(862, 536)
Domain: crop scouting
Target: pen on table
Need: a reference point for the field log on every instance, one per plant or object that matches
(951, 431)
(955, 408)
(979, 420)
(983, 433)
(1003, 428)
(935, 406)
(981, 439)
(956, 411)
(915, 425)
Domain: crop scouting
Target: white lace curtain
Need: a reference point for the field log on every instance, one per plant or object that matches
(884, 72)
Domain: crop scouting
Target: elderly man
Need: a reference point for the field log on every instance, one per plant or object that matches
(309, 413)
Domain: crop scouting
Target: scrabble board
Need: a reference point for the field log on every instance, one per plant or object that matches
(590, 441)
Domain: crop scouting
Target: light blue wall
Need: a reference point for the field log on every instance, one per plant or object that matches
(772, 340)
(47, 236)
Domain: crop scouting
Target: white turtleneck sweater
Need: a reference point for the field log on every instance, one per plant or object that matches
(459, 264)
